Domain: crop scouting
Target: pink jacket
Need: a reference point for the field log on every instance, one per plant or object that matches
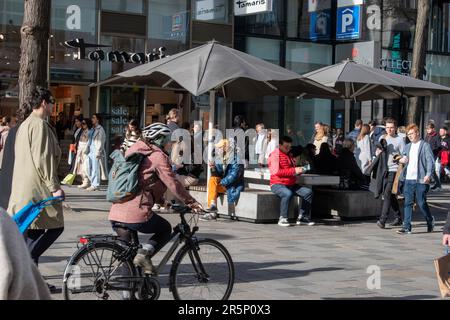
(139, 209)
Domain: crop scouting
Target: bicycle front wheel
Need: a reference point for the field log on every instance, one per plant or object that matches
(96, 272)
(204, 271)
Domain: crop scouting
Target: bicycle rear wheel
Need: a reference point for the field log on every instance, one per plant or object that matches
(202, 272)
(95, 272)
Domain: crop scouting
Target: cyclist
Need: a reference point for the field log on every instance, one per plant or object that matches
(156, 176)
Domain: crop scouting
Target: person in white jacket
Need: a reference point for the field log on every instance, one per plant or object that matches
(19, 277)
(363, 152)
(97, 154)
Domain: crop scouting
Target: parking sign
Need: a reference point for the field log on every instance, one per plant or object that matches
(348, 23)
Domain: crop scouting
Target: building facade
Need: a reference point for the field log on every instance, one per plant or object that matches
(301, 35)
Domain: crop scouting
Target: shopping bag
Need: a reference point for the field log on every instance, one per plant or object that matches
(72, 153)
(442, 266)
(69, 179)
(25, 217)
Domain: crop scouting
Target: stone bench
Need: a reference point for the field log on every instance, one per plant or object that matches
(257, 206)
(346, 204)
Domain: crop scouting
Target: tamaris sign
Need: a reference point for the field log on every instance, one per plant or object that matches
(112, 56)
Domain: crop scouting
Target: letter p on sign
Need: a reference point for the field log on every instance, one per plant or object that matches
(347, 20)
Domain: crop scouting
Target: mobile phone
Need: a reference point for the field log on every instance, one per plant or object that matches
(306, 167)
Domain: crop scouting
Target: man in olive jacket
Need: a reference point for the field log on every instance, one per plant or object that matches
(37, 156)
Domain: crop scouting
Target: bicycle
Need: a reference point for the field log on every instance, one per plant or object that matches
(103, 267)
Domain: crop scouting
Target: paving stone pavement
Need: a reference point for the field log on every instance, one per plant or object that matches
(326, 261)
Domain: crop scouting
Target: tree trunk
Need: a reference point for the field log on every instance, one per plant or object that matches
(418, 60)
(33, 50)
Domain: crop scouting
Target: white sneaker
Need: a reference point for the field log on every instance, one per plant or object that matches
(209, 216)
(83, 186)
(92, 188)
(156, 206)
(305, 221)
(284, 222)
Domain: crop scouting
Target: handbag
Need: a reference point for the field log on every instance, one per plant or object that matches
(26, 216)
(442, 266)
(69, 179)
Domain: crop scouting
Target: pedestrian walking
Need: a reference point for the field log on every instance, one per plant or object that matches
(419, 160)
(356, 131)
(7, 124)
(97, 154)
(283, 176)
(395, 146)
(35, 176)
(132, 135)
(317, 126)
(363, 151)
(260, 142)
(434, 140)
(227, 176)
(338, 141)
(82, 166)
(173, 119)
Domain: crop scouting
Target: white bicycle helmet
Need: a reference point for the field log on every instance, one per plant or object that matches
(156, 130)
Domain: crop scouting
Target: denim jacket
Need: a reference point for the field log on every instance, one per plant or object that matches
(426, 161)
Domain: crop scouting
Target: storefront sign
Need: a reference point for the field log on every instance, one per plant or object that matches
(113, 56)
(210, 10)
(318, 5)
(119, 119)
(348, 23)
(244, 7)
(396, 66)
(320, 25)
(373, 17)
(73, 21)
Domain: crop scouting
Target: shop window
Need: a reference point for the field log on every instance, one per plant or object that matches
(269, 23)
(399, 23)
(129, 6)
(71, 20)
(217, 11)
(301, 114)
(168, 25)
(438, 29)
(120, 44)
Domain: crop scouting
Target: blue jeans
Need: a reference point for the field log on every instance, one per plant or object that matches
(287, 192)
(420, 190)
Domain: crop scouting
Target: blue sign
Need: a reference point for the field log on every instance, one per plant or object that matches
(348, 23)
(320, 25)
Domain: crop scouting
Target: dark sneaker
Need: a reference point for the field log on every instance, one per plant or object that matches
(212, 208)
(143, 260)
(51, 288)
(381, 224)
(430, 227)
(397, 223)
(305, 221)
(404, 231)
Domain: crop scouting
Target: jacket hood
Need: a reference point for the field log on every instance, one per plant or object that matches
(142, 148)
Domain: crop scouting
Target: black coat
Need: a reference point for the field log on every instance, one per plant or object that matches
(6, 173)
(379, 170)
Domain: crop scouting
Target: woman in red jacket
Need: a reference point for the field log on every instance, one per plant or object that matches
(283, 176)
